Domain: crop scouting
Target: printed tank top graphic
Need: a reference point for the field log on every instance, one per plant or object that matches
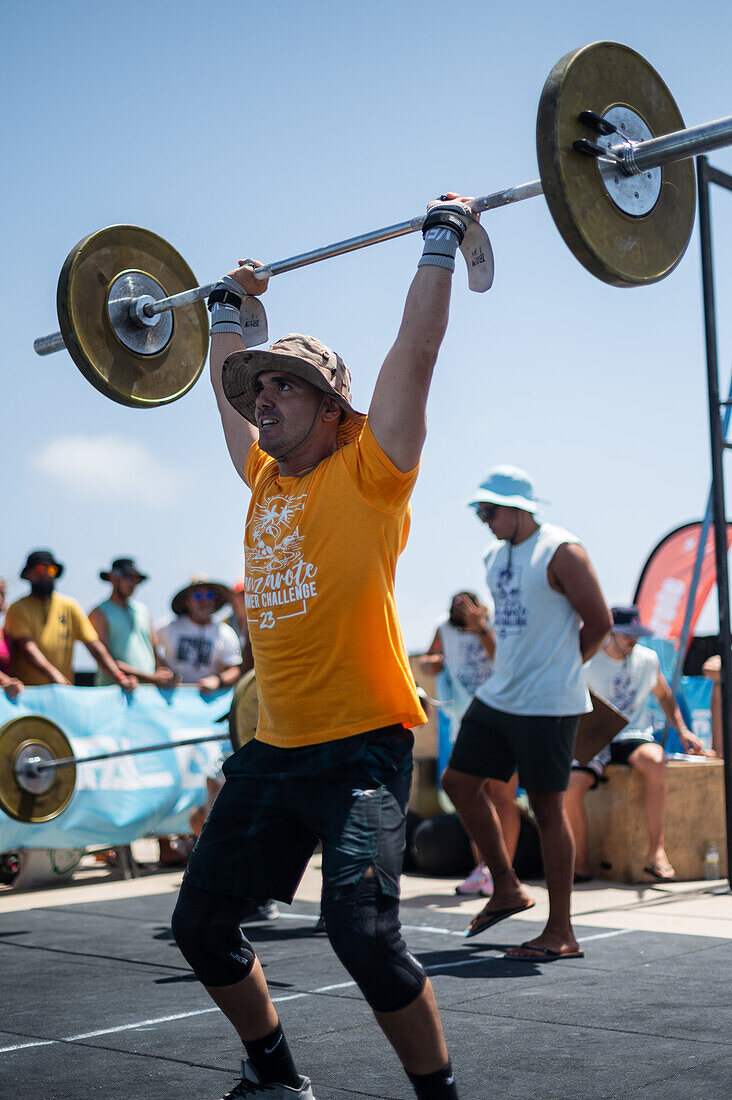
(624, 691)
(279, 582)
(511, 615)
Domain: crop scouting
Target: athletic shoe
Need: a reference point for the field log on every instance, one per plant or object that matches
(251, 1085)
(260, 910)
(486, 889)
(477, 878)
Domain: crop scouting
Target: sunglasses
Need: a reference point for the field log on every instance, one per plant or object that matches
(204, 594)
(487, 511)
(44, 571)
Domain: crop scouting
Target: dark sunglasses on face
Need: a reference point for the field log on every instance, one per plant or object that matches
(487, 511)
(204, 594)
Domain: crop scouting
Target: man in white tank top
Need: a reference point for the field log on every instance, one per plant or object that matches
(550, 617)
(626, 674)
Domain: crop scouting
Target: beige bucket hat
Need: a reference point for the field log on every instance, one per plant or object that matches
(221, 591)
(306, 358)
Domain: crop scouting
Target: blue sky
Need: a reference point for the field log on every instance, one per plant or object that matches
(266, 130)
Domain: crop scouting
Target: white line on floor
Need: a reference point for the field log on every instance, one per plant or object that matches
(276, 1000)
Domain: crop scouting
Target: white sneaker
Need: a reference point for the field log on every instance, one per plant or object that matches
(251, 1085)
(474, 884)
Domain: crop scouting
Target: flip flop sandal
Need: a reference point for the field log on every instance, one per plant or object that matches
(485, 920)
(545, 954)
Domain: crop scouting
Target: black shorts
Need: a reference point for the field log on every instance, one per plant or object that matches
(493, 744)
(594, 772)
(277, 803)
(621, 750)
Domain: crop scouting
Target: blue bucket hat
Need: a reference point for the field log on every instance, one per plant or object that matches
(508, 486)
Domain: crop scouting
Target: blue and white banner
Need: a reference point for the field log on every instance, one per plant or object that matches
(117, 801)
(694, 699)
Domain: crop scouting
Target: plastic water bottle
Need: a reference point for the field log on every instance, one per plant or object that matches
(711, 862)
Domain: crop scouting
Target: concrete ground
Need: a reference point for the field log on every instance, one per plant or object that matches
(98, 1001)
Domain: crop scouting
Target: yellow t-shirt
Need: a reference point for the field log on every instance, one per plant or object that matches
(54, 625)
(321, 553)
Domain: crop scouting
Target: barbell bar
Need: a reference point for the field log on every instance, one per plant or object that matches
(38, 768)
(46, 345)
(615, 166)
(632, 158)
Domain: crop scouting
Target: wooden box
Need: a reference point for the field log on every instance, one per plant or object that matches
(695, 818)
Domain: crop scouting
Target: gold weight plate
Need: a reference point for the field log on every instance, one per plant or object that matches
(28, 731)
(244, 713)
(137, 380)
(619, 248)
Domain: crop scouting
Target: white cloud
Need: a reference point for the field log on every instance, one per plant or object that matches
(112, 468)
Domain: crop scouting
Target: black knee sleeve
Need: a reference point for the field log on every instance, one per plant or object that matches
(206, 928)
(364, 930)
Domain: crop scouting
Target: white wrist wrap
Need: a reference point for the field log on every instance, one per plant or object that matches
(225, 318)
(440, 246)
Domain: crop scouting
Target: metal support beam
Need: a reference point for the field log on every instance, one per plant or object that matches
(718, 500)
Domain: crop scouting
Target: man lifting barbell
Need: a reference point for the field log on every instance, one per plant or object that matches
(332, 757)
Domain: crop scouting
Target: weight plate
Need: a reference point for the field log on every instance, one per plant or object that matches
(597, 729)
(34, 799)
(244, 713)
(621, 248)
(139, 375)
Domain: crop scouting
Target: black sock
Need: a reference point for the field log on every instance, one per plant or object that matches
(272, 1060)
(435, 1086)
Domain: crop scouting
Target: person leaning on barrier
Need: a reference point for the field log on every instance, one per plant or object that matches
(198, 648)
(125, 627)
(11, 685)
(332, 756)
(626, 674)
(44, 625)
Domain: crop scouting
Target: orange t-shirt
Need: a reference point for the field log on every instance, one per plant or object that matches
(321, 553)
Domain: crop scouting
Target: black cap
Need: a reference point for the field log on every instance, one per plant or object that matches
(627, 621)
(123, 567)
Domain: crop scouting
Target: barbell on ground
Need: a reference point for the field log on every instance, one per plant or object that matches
(38, 767)
(615, 165)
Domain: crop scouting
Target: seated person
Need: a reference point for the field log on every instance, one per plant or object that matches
(626, 674)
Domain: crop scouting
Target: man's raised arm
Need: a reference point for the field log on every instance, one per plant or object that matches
(225, 339)
(397, 411)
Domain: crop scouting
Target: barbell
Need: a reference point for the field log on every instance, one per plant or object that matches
(38, 767)
(615, 165)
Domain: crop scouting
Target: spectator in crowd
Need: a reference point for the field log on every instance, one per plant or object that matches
(626, 674)
(44, 625)
(125, 627)
(11, 685)
(237, 620)
(463, 647)
(202, 651)
(199, 649)
(550, 617)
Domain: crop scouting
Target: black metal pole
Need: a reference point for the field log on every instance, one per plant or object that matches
(718, 503)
